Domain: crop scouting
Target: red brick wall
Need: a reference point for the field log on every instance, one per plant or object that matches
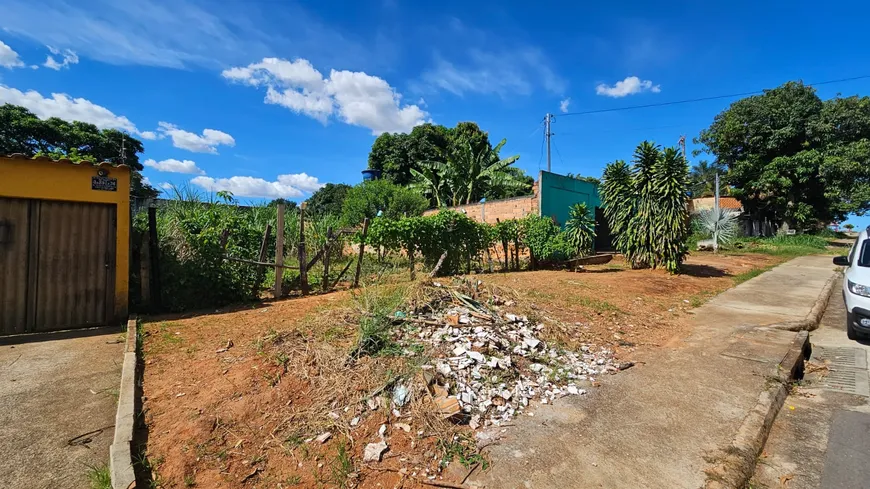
(514, 208)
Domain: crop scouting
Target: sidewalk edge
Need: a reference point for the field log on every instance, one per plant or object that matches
(811, 322)
(120, 453)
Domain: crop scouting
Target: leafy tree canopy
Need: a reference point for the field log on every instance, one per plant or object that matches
(702, 179)
(22, 132)
(431, 156)
(792, 156)
(327, 200)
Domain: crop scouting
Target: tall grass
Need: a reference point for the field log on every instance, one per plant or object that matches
(193, 271)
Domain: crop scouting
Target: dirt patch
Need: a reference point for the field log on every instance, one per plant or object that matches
(612, 305)
(237, 398)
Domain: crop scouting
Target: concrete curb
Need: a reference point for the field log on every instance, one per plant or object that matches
(811, 322)
(735, 470)
(120, 453)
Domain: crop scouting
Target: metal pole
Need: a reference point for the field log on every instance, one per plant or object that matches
(277, 292)
(716, 213)
(548, 134)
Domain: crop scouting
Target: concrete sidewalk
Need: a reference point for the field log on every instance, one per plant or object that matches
(663, 423)
(57, 407)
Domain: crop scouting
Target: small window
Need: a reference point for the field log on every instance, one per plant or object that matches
(864, 257)
(853, 248)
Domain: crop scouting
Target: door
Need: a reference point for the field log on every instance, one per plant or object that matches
(14, 245)
(67, 252)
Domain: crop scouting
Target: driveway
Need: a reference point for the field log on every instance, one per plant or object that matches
(57, 408)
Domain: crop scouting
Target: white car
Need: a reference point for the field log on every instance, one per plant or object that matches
(856, 287)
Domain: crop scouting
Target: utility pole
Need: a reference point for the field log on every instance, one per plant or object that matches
(716, 212)
(547, 120)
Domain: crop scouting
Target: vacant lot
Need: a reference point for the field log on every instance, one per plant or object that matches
(235, 398)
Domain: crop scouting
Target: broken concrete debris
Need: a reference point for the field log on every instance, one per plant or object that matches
(488, 364)
(374, 451)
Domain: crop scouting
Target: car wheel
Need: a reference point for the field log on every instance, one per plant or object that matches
(850, 330)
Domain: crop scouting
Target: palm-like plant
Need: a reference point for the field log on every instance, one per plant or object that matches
(467, 172)
(646, 207)
(580, 228)
(670, 176)
(618, 200)
(722, 226)
(702, 178)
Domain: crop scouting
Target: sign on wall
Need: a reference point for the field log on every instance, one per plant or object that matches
(104, 183)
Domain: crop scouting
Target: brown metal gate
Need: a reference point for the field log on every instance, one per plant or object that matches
(57, 265)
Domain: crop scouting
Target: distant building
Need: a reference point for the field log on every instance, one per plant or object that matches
(726, 203)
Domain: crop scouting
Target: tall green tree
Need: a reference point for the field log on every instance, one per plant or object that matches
(396, 154)
(22, 132)
(421, 158)
(793, 157)
(328, 199)
(470, 170)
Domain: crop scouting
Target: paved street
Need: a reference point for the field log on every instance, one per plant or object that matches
(57, 408)
(821, 438)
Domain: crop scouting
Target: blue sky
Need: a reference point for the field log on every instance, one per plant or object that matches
(287, 96)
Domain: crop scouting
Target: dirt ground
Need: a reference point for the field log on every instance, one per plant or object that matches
(222, 400)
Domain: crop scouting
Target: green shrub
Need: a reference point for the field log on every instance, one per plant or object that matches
(370, 197)
(545, 239)
(461, 238)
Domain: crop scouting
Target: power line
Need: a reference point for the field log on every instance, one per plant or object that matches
(540, 158)
(559, 153)
(704, 99)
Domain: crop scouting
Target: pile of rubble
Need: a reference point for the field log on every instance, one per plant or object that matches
(489, 364)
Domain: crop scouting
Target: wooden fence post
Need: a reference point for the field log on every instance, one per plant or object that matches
(154, 252)
(303, 269)
(144, 271)
(412, 262)
(264, 247)
(279, 252)
(362, 248)
(326, 250)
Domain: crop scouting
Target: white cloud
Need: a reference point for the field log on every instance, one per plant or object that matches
(167, 186)
(175, 166)
(149, 135)
(353, 97)
(286, 186)
(563, 105)
(68, 57)
(67, 108)
(630, 86)
(146, 181)
(181, 33)
(206, 143)
(302, 181)
(8, 57)
(492, 64)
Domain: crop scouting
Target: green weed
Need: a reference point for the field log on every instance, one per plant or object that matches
(189, 480)
(377, 306)
(293, 480)
(597, 305)
(99, 477)
(342, 467)
(464, 449)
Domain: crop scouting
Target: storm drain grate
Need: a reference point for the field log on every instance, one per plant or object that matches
(847, 369)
